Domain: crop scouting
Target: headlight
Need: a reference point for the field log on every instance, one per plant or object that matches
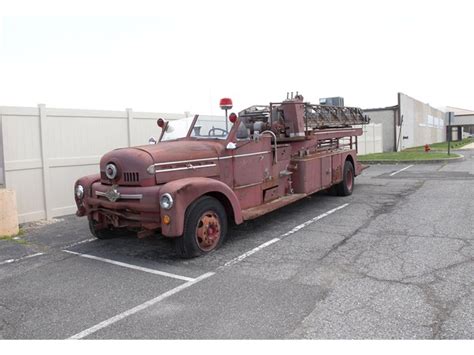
(79, 192)
(166, 201)
(111, 171)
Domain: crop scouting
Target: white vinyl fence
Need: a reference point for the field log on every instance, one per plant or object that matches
(371, 140)
(46, 149)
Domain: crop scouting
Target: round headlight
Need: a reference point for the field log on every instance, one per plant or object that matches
(111, 171)
(166, 201)
(79, 192)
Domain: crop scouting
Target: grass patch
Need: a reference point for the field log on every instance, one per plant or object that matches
(15, 238)
(444, 145)
(406, 155)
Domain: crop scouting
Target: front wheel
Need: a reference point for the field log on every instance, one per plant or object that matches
(205, 227)
(104, 233)
(345, 187)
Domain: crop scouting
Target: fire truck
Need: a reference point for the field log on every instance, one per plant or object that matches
(200, 176)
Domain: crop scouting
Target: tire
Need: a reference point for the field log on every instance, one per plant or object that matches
(345, 187)
(105, 233)
(205, 228)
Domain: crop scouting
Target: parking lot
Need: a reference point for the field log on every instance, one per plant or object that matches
(394, 260)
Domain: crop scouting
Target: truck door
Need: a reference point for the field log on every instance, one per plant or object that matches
(252, 162)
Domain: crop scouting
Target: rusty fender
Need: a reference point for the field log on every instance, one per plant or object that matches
(86, 182)
(186, 191)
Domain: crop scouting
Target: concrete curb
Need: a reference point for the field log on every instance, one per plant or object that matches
(396, 162)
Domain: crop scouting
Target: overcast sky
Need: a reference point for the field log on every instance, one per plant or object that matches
(176, 56)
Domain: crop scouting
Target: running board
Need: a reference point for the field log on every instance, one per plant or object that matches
(273, 205)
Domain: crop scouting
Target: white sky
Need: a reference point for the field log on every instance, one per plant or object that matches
(176, 55)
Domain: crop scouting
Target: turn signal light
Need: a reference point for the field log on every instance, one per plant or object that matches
(166, 219)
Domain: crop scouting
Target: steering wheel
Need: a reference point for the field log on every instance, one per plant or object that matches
(212, 132)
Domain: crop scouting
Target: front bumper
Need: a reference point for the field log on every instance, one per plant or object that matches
(122, 206)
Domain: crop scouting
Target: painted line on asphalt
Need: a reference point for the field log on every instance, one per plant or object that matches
(250, 252)
(130, 266)
(270, 242)
(317, 218)
(140, 307)
(399, 171)
(9, 261)
(79, 243)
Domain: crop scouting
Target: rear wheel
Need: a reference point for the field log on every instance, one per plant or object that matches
(345, 187)
(205, 227)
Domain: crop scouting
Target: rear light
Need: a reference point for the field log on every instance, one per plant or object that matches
(160, 122)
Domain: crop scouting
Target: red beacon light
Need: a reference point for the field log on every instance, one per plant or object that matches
(233, 117)
(160, 122)
(225, 103)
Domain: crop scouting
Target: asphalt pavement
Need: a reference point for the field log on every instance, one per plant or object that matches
(392, 261)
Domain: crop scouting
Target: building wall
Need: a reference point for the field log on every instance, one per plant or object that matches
(386, 118)
(463, 120)
(45, 150)
(420, 123)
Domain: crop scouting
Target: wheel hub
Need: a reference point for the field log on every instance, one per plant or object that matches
(208, 231)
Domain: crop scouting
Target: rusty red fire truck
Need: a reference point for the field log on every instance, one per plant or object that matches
(201, 174)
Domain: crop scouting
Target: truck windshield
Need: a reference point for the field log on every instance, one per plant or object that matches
(206, 127)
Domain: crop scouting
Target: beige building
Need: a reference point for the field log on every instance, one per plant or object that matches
(410, 123)
(462, 123)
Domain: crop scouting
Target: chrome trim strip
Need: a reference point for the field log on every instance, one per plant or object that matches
(250, 154)
(185, 161)
(123, 196)
(207, 159)
(190, 167)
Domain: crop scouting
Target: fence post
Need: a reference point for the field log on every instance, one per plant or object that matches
(45, 161)
(129, 120)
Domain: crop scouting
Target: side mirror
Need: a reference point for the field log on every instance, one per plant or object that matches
(231, 146)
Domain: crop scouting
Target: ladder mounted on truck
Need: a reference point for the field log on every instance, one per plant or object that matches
(322, 116)
(315, 116)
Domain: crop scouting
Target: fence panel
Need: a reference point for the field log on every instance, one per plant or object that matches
(371, 140)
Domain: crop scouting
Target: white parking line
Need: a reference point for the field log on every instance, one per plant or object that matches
(9, 261)
(312, 220)
(79, 243)
(399, 171)
(140, 307)
(294, 230)
(130, 266)
(250, 252)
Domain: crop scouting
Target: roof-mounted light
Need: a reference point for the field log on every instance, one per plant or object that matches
(225, 103)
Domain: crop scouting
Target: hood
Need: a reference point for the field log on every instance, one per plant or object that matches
(182, 150)
(133, 163)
